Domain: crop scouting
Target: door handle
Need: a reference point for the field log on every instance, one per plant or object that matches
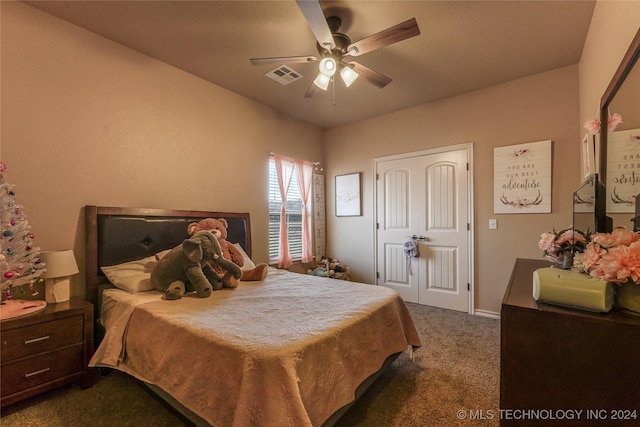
(419, 238)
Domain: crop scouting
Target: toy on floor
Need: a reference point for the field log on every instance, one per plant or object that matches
(330, 267)
(321, 272)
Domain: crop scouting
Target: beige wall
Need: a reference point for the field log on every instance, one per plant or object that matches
(527, 110)
(613, 26)
(88, 121)
(533, 109)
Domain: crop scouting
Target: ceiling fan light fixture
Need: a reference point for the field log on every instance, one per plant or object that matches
(333, 46)
(328, 66)
(322, 81)
(348, 75)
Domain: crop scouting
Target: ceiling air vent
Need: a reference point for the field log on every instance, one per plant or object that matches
(284, 75)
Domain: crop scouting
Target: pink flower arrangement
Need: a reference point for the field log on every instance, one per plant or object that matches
(593, 125)
(556, 243)
(614, 257)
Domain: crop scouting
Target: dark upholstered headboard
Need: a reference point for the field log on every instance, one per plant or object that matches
(117, 235)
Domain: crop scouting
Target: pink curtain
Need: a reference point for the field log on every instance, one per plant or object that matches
(305, 176)
(284, 169)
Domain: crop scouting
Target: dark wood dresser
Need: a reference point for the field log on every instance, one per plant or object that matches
(556, 361)
(47, 349)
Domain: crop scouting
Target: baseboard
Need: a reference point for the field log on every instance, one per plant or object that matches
(487, 313)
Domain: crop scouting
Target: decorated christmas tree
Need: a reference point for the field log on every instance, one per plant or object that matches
(19, 261)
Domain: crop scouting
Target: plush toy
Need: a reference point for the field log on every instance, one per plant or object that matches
(343, 275)
(335, 265)
(320, 271)
(186, 267)
(219, 229)
(333, 268)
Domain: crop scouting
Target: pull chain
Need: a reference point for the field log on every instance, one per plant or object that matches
(333, 91)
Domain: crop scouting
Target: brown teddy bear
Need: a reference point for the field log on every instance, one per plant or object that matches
(219, 229)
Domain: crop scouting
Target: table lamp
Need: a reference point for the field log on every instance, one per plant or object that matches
(60, 265)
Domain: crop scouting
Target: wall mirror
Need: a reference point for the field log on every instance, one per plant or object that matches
(589, 206)
(619, 164)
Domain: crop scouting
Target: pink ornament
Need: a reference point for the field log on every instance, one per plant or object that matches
(613, 122)
(593, 125)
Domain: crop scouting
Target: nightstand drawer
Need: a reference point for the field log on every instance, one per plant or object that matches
(38, 370)
(41, 337)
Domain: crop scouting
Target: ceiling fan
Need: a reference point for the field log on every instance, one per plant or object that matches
(335, 49)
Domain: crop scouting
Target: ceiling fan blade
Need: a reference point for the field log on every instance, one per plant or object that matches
(402, 31)
(283, 60)
(373, 77)
(311, 91)
(317, 22)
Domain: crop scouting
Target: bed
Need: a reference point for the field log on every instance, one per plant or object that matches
(292, 350)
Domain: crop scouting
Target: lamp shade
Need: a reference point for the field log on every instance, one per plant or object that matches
(348, 75)
(322, 81)
(59, 263)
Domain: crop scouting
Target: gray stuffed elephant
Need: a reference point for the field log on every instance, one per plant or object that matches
(186, 267)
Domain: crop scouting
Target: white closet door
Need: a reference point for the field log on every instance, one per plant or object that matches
(425, 196)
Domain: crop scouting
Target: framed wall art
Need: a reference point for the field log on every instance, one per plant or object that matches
(348, 201)
(522, 178)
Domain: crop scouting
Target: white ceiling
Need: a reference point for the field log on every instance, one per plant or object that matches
(463, 46)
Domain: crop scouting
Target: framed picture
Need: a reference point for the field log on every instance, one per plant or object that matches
(348, 201)
(522, 178)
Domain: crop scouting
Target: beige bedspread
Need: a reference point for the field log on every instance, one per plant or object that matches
(289, 351)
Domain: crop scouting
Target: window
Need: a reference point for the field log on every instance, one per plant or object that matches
(293, 209)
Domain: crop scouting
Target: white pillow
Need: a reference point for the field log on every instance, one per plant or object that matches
(134, 276)
(248, 264)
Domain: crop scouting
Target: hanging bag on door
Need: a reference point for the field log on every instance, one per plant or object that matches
(410, 251)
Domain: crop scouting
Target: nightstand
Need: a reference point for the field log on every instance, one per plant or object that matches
(45, 350)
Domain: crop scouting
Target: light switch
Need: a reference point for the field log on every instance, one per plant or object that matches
(493, 224)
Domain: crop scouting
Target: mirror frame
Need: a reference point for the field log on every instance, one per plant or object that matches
(628, 61)
(594, 188)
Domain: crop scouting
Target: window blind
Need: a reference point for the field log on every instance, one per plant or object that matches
(293, 209)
